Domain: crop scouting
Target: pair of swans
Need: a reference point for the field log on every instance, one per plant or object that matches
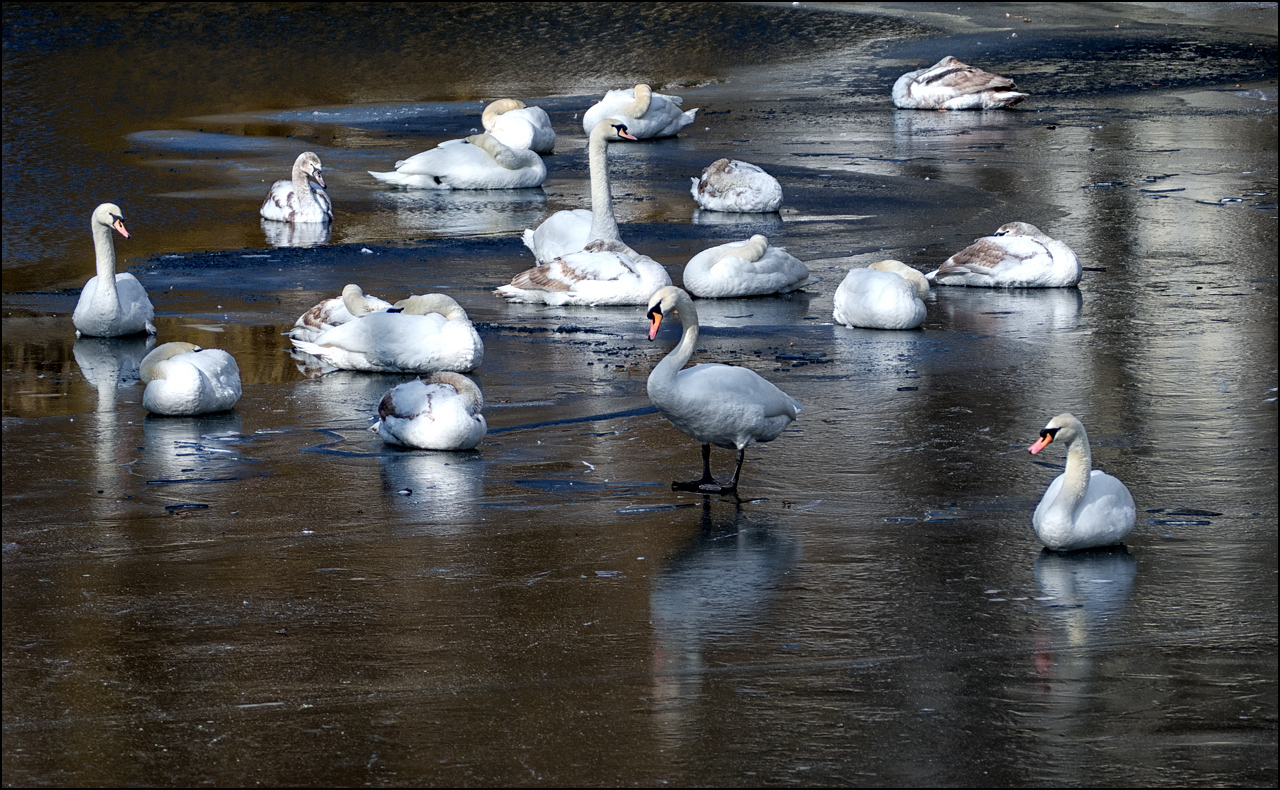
(298, 201)
(1019, 255)
(646, 114)
(111, 304)
(437, 412)
(480, 161)
(885, 295)
(952, 85)
(731, 185)
(183, 380)
(1083, 507)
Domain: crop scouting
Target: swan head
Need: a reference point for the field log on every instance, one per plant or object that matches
(465, 387)
(1065, 427)
(611, 129)
(666, 301)
(424, 304)
(1021, 229)
(917, 280)
(110, 215)
(308, 164)
(497, 108)
(149, 370)
(354, 300)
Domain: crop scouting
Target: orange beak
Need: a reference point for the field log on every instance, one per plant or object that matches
(119, 225)
(655, 319)
(1041, 443)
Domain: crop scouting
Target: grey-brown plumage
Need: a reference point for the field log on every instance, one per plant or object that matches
(952, 85)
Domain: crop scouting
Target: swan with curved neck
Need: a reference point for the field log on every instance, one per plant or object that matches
(646, 114)
(724, 405)
(952, 85)
(518, 126)
(352, 304)
(437, 412)
(885, 295)
(297, 200)
(745, 268)
(480, 161)
(111, 304)
(184, 380)
(1083, 507)
(1017, 255)
(731, 185)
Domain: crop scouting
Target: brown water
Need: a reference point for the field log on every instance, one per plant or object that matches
(273, 596)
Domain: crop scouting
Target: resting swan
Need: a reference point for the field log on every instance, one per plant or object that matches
(439, 412)
(517, 126)
(605, 272)
(476, 162)
(1019, 255)
(184, 379)
(730, 185)
(716, 404)
(335, 311)
(1082, 508)
(571, 230)
(296, 200)
(646, 114)
(745, 268)
(421, 334)
(111, 305)
(951, 85)
(885, 295)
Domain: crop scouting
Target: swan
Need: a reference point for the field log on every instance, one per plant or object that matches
(518, 126)
(184, 379)
(716, 404)
(951, 85)
(604, 272)
(111, 305)
(476, 162)
(730, 185)
(296, 200)
(1019, 255)
(745, 268)
(646, 114)
(1082, 508)
(439, 412)
(570, 230)
(421, 334)
(339, 310)
(885, 295)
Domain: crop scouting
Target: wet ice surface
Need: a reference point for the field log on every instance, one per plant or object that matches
(272, 595)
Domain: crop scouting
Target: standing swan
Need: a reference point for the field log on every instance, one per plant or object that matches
(716, 404)
(885, 295)
(951, 85)
(730, 185)
(111, 304)
(646, 114)
(1019, 255)
(572, 229)
(296, 200)
(518, 126)
(480, 161)
(1082, 508)
(184, 379)
(437, 412)
(745, 268)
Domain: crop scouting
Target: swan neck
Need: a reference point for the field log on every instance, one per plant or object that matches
(603, 223)
(1076, 479)
(665, 371)
(644, 96)
(104, 249)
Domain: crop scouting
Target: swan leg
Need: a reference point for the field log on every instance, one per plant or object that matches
(708, 484)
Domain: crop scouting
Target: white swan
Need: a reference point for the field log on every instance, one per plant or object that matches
(572, 229)
(716, 404)
(440, 412)
(1019, 255)
(1082, 508)
(730, 185)
(518, 126)
(339, 310)
(297, 200)
(646, 114)
(111, 304)
(745, 268)
(184, 379)
(951, 85)
(476, 162)
(421, 334)
(605, 272)
(885, 295)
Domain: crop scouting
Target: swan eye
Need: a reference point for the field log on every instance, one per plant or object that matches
(1049, 433)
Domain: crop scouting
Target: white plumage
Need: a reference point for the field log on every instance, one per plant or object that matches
(1019, 255)
(1083, 507)
(885, 295)
(111, 305)
(952, 85)
(338, 310)
(731, 185)
(439, 412)
(604, 273)
(296, 200)
(646, 114)
(744, 268)
(517, 126)
(183, 379)
(476, 162)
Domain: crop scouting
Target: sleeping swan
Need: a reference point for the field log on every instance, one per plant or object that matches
(296, 200)
(885, 295)
(111, 305)
(951, 85)
(439, 412)
(518, 126)
(1082, 508)
(476, 162)
(646, 114)
(339, 310)
(1019, 255)
(184, 379)
(605, 272)
(724, 405)
(745, 268)
(730, 185)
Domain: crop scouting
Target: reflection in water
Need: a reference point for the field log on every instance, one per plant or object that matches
(109, 362)
(344, 397)
(299, 234)
(951, 136)
(456, 212)
(1035, 312)
(748, 224)
(433, 492)
(192, 448)
(772, 310)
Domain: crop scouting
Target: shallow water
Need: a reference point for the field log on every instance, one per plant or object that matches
(274, 596)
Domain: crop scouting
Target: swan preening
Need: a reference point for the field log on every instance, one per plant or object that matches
(437, 412)
(952, 85)
(572, 229)
(730, 185)
(183, 380)
(1019, 255)
(1083, 507)
(422, 334)
(885, 295)
(517, 126)
(297, 200)
(480, 161)
(646, 114)
(745, 268)
(605, 272)
(716, 404)
(111, 305)
(339, 310)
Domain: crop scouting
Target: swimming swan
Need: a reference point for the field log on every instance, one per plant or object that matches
(885, 295)
(296, 200)
(724, 405)
(518, 126)
(745, 268)
(439, 412)
(111, 305)
(951, 85)
(339, 310)
(646, 114)
(604, 273)
(1019, 255)
(1082, 508)
(422, 334)
(184, 379)
(730, 185)
(476, 162)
